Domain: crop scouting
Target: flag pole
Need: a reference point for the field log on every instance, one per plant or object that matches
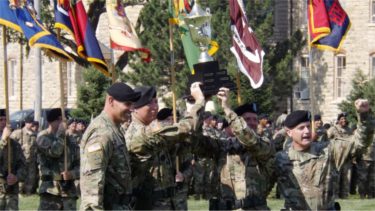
(62, 106)
(173, 82)
(112, 67)
(312, 76)
(238, 83)
(38, 73)
(21, 75)
(6, 97)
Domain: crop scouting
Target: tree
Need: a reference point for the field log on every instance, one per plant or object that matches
(362, 87)
(91, 94)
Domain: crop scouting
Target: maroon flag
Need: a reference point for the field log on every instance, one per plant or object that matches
(246, 49)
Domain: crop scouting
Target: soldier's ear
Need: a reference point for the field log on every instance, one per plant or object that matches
(288, 132)
(110, 100)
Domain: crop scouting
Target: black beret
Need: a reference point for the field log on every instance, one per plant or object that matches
(2, 112)
(164, 113)
(53, 114)
(248, 107)
(72, 120)
(317, 117)
(29, 119)
(224, 121)
(147, 94)
(123, 93)
(297, 117)
(206, 115)
(343, 114)
(263, 116)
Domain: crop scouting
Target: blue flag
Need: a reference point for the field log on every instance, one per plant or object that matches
(62, 19)
(7, 16)
(38, 35)
(22, 18)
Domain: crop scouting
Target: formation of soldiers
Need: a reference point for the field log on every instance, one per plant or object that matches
(135, 157)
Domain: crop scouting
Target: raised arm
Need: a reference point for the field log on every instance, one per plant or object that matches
(360, 140)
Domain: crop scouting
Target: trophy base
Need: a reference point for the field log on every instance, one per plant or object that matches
(212, 77)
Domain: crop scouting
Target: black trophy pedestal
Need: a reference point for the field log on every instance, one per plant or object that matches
(212, 78)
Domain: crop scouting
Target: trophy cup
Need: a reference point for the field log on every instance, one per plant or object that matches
(206, 70)
(198, 22)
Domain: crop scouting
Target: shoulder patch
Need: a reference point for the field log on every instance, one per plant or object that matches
(95, 147)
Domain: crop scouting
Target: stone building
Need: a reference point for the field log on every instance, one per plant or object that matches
(333, 71)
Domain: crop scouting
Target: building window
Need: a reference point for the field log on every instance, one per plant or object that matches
(304, 13)
(303, 92)
(372, 66)
(12, 70)
(69, 72)
(372, 12)
(304, 74)
(340, 69)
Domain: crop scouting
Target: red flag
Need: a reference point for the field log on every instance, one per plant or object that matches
(248, 52)
(328, 24)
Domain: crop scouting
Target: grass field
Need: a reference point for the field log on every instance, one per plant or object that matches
(353, 203)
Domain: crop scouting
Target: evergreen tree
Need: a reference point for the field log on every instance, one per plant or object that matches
(91, 94)
(362, 88)
(155, 36)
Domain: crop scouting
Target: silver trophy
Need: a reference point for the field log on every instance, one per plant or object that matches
(198, 22)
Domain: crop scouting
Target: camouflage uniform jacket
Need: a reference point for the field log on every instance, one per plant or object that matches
(369, 153)
(27, 140)
(74, 137)
(338, 131)
(149, 150)
(306, 177)
(321, 133)
(18, 165)
(279, 139)
(105, 165)
(244, 163)
(51, 164)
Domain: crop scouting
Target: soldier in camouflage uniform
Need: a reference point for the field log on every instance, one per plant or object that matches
(74, 138)
(306, 170)
(342, 130)
(204, 167)
(27, 139)
(105, 164)
(263, 129)
(320, 131)
(9, 187)
(243, 160)
(72, 133)
(150, 149)
(57, 190)
(366, 173)
(183, 155)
